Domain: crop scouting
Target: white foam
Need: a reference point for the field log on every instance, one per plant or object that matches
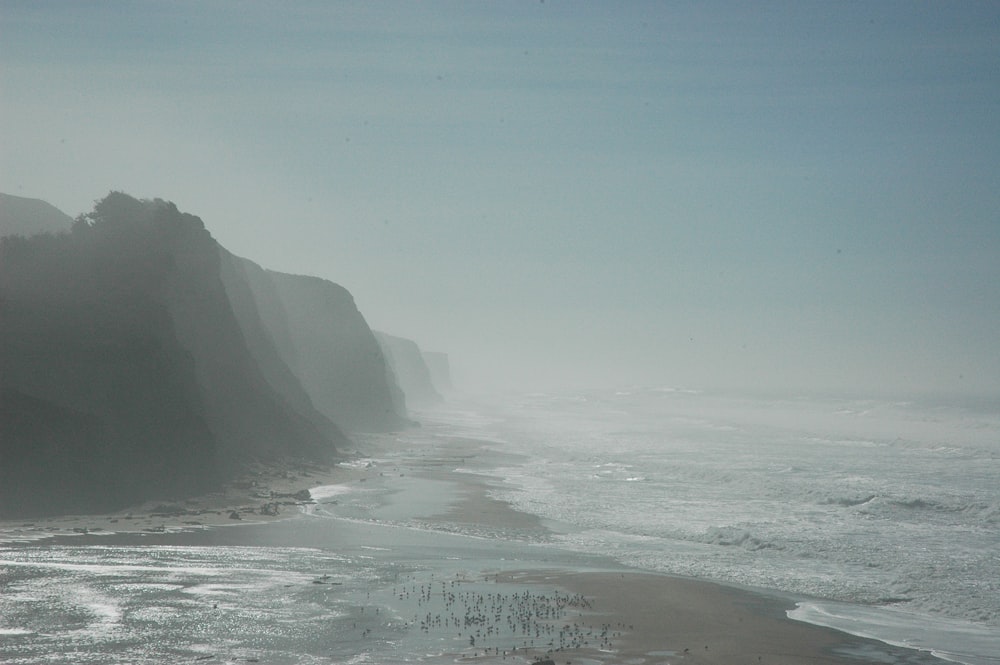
(327, 491)
(16, 631)
(362, 463)
(951, 639)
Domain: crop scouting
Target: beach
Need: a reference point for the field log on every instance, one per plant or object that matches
(401, 554)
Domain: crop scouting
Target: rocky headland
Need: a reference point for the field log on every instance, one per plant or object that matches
(141, 361)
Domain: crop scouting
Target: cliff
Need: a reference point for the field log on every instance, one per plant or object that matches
(125, 372)
(314, 346)
(335, 354)
(410, 370)
(440, 370)
(25, 217)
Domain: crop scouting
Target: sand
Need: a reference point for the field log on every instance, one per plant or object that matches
(658, 619)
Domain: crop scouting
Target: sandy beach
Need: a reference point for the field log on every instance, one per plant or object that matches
(658, 619)
(428, 510)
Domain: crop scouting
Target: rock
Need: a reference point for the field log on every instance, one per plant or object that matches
(234, 515)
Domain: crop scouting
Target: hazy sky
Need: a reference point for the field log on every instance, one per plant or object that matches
(800, 196)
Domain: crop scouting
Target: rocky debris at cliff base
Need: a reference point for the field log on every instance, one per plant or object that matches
(269, 487)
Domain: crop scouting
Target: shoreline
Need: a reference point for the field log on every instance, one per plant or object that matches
(262, 494)
(675, 619)
(646, 618)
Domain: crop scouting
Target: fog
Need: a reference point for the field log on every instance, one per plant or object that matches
(771, 197)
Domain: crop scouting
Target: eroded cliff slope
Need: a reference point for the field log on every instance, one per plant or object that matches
(124, 371)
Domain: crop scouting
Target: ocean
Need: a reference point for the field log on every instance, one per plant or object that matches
(886, 515)
(878, 518)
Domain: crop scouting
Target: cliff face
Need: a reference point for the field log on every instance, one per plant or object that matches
(25, 217)
(411, 372)
(263, 323)
(247, 415)
(329, 346)
(54, 459)
(440, 370)
(87, 347)
(123, 367)
(313, 345)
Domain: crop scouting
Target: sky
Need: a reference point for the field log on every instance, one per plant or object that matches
(788, 197)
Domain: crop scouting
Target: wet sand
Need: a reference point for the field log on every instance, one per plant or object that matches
(649, 618)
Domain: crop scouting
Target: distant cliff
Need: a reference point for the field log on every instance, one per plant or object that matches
(126, 371)
(440, 370)
(314, 335)
(25, 217)
(410, 370)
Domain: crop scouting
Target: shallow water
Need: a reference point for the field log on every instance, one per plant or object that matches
(348, 591)
(143, 604)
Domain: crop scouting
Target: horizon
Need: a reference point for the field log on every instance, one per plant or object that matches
(777, 198)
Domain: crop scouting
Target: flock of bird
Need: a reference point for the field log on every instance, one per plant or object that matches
(502, 622)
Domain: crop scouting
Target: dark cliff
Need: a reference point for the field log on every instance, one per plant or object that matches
(125, 373)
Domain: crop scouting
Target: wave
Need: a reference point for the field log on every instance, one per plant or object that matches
(981, 511)
(875, 503)
(728, 536)
(889, 506)
(955, 640)
(848, 501)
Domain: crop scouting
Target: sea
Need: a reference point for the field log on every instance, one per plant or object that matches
(879, 518)
(885, 515)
